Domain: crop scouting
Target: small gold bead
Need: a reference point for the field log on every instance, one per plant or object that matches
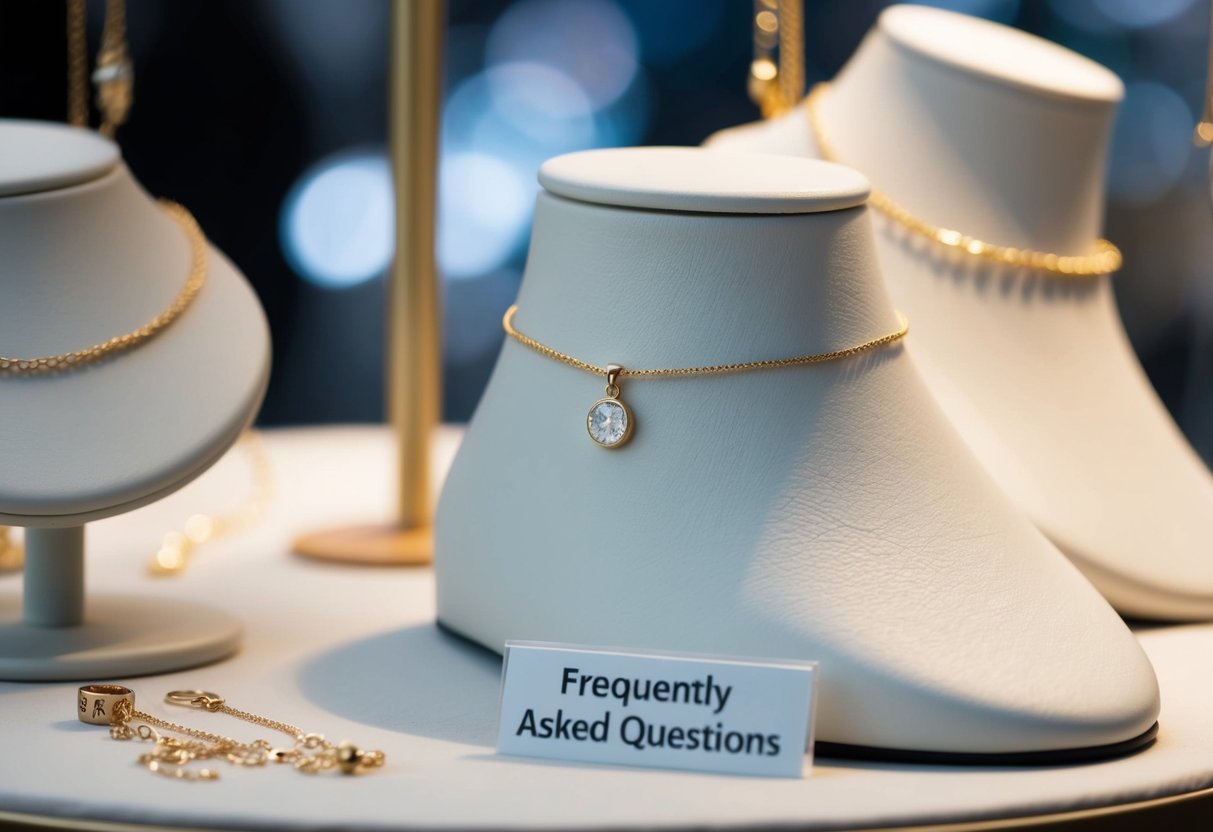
(950, 238)
(349, 757)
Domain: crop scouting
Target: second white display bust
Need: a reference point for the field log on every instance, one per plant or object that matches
(825, 512)
(1003, 136)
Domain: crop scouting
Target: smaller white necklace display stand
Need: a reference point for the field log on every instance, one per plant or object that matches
(88, 256)
(1003, 136)
(826, 512)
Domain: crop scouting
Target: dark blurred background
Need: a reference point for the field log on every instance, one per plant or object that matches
(267, 118)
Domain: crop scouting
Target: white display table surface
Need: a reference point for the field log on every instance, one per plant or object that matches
(354, 652)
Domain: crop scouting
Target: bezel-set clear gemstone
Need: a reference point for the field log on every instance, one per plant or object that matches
(609, 422)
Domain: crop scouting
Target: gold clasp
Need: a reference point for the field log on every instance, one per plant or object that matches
(195, 699)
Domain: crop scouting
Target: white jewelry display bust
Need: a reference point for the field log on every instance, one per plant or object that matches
(826, 512)
(89, 256)
(1004, 136)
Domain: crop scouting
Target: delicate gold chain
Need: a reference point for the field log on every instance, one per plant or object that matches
(164, 724)
(507, 324)
(264, 722)
(120, 343)
(1105, 259)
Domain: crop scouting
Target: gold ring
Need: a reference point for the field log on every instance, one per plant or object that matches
(96, 703)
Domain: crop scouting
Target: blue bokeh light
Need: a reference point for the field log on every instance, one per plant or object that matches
(1002, 11)
(474, 121)
(592, 42)
(484, 207)
(1137, 14)
(542, 103)
(523, 107)
(672, 31)
(336, 226)
(1112, 15)
(1150, 143)
(576, 86)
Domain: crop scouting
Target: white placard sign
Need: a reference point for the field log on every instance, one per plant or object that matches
(667, 710)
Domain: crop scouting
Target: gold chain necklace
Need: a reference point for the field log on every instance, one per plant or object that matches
(610, 422)
(120, 343)
(1105, 259)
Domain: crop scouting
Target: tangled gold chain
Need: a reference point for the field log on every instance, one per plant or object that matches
(1105, 259)
(507, 323)
(120, 343)
(177, 548)
(170, 756)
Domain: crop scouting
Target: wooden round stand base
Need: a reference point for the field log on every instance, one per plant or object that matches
(12, 554)
(369, 546)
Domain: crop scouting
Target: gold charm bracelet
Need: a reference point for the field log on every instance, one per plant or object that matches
(1105, 259)
(120, 343)
(610, 421)
(114, 705)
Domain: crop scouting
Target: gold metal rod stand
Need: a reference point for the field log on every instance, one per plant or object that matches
(414, 344)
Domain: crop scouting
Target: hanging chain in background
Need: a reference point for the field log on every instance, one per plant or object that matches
(777, 87)
(77, 64)
(114, 75)
(1202, 136)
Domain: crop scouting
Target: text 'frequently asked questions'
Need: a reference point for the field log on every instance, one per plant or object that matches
(651, 709)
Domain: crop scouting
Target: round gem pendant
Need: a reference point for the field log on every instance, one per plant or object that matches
(609, 422)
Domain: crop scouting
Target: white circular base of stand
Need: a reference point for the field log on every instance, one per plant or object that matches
(121, 636)
(354, 653)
